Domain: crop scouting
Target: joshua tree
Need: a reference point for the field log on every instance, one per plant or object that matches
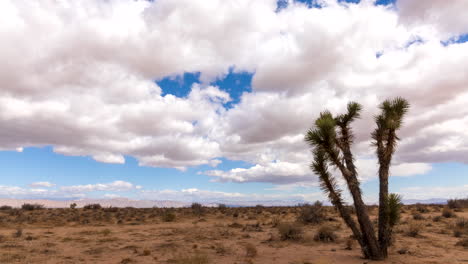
(331, 139)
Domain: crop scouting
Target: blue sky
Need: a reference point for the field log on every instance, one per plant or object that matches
(209, 101)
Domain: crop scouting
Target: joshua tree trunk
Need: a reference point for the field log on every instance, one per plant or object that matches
(385, 155)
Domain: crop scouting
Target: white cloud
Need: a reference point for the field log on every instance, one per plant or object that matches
(80, 77)
(427, 192)
(193, 194)
(447, 16)
(113, 186)
(42, 184)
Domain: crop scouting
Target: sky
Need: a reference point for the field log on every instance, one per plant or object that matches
(209, 101)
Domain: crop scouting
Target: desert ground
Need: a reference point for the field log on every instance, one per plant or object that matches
(292, 235)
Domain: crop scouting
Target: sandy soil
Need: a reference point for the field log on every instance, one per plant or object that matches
(141, 236)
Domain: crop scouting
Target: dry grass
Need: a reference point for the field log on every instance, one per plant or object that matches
(220, 235)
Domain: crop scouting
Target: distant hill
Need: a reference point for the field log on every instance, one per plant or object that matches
(125, 202)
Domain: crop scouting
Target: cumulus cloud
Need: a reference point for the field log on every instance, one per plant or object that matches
(447, 17)
(427, 192)
(80, 77)
(42, 184)
(116, 186)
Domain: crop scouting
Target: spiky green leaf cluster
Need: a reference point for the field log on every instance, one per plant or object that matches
(391, 117)
(394, 208)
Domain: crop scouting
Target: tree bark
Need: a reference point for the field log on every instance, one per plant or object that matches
(365, 223)
(385, 156)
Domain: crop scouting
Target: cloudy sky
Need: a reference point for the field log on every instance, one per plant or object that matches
(209, 100)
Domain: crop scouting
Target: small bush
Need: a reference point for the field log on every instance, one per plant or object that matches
(73, 206)
(31, 207)
(418, 216)
(275, 221)
(457, 203)
(325, 234)
(250, 250)
(5, 208)
(448, 213)
(421, 208)
(437, 218)
(289, 231)
(312, 214)
(463, 242)
(457, 233)
(18, 233)
(222, 208)
(197, 258)
(197, 209)
(414, 229)
(350, 242)
(92, 207)
(168, 216)
(462, 223)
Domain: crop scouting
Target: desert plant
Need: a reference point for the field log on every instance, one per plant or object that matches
(463, 242)
(73, 206)
(92, 207)
(312, 214)
(290, 231)
(18, 233)
(448, 213)
(462, 223)
(414, 229)
(222, 208)
(457, 203)
(168, 216)
(418, 216)
(331, 140)
(325, 234)
(5, 208)
(197, 209)
(250, 250)
(197, 258)
(31, 207)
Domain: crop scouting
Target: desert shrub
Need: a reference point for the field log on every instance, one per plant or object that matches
(5, 207)
(350, 242)
(259, 208)
(92, 207)
(168, 216)
(111, 209)
(394, 208)
(250, 250)
(18, 233)
(290, 231)
(418, 216)
(275, 221)
(414, 229)
(73, 206)
(325, 234)
(312, 214)
(457, 203)
(463, 242)
(222, 208)
(421, 208)
(462, 223)
(448, 213)
(457, 233)
(197, 209)
(437, 218)
(197, 258)
(220, 249)
(31, 207)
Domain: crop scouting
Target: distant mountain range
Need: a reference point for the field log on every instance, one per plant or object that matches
(125, 202)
